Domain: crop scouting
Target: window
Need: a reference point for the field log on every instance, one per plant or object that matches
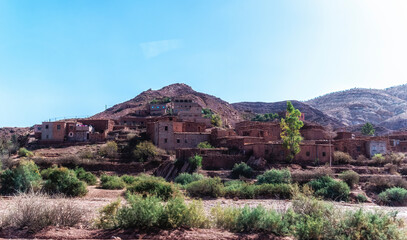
(178, 140)
(47, 136)
(308, 154)
(323, 154)
(58, 127)
(165, 140)
(358, 148)
(186, 141)
(46, 126)
(166, 128)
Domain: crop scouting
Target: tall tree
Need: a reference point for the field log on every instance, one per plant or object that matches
(290, 131)
(368, 129)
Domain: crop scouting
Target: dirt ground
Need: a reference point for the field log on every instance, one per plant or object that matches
(97, 198)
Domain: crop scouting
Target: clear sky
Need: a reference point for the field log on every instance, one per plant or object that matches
(71, 58)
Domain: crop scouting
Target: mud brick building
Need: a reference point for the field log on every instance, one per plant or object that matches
(53, 131)
(37, 131)
(269, 131)
(366, 146)
(398, 141)
(169, 134)
(159, 109)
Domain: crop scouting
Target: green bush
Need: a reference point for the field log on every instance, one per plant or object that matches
(239, 189)
(23, 152)
(153, 186)
(350, 177)
(328, 188)
(144, 213)
(280, 191)
(196, 162)
(393, 196)
(111, 182)
(204, 145)
(208, 187)
(379, 159)
(275, 176)
(342, 158)
(186, 178)
(361, 198)
(85, 176)
(23, 178)
(109, 150)
(64, 181)
(241, 169)
(145, 151)
(128, 179)
(87, 154)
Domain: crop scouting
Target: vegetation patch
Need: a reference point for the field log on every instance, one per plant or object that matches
(112, 182)
(275, 176)
(63, 181)
(393, 196)
(23, 178)
(328, 188)
(153, 186)
(187, 178)
(241, 169)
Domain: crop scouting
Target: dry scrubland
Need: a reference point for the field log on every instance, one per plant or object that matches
(101, 199)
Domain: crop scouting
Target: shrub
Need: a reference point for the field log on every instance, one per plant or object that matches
(177, 214)
(393, 196)
(186, 178)
(23, 152)
(362, 224)
(154, 186)
(391, 168)
(275, 176)
(239, 189)
(85, 176)
(36, 211)
(145, 151)
(107, 218)
(395, 158)
(196, 162)
(87, 154)
(379, 184)
(242, 169)
(148, 212)
(361, 198)
(208, 187)
(111, 182)
(23, 178)
(204, 145)
(350, 177)
(128, 179)
(328, 188)
(64, 181)
(308, 175)
(342, 158)
(280, 191)
(109, 150)
(378, 159)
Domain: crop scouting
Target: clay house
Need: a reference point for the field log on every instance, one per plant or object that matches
(78, 132)
(53, 131)
(398, 141)
(269, 131)
(355, 146)
(169, 134)
(37, 131)
(311, 151)
(159, 109)
(101, 128)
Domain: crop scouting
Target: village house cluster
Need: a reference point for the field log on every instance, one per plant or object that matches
(179, 125)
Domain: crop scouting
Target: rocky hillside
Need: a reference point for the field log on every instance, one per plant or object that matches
(224, 109)
(249, 109)
(386, 108)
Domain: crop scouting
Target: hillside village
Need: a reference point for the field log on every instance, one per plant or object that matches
(179, 124)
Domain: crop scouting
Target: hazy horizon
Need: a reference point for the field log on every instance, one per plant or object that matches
(66, 59)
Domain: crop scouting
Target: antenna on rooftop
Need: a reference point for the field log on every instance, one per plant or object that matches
(105, 107)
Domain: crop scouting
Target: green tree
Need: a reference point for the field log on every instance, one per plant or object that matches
(290, 131)
(368, 129)
(216, 120)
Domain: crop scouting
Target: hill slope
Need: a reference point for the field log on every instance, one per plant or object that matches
(358, 106)
(311, 114)
(224, 109)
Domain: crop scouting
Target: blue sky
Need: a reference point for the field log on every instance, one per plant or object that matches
(71, 58)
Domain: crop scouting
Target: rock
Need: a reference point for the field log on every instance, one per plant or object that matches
(257, 164)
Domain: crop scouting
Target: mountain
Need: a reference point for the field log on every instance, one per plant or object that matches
(249, 109)
(385, 108)
(224, 109)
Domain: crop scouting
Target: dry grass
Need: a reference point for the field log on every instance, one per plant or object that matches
(35, 211)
